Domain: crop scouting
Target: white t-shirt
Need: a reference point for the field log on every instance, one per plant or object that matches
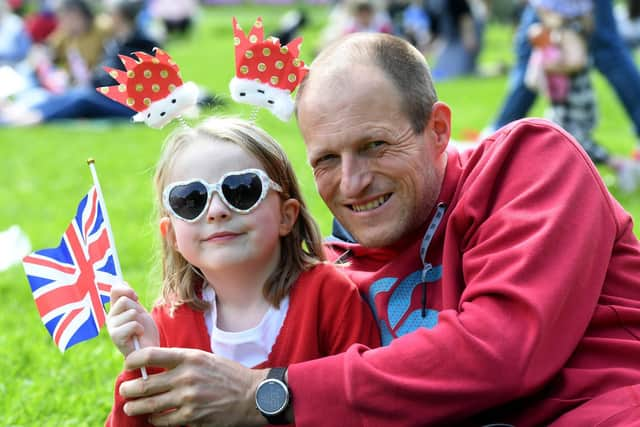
(249, 347)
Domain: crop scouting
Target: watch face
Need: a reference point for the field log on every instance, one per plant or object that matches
(272, 397)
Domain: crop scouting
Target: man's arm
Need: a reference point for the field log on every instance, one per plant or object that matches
(196, 388)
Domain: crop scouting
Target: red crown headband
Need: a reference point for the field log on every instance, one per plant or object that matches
(152, 86)
(266, 72)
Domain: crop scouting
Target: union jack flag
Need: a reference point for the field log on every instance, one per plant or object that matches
(71, 283)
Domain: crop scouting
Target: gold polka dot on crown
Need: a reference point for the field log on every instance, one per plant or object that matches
(279, 65)
(236, 41)
(244, 69)
(172, 87)
(148, 74)
(253, 38)
(274, 80)
(292, 77)
(296, 62)
(131, 74)
(155, 88)
(130, 101)
(122, 88)
(146, 101)
(164, 74)
(248, 54)
(155, 60)
(113, 73)
(266, 51)
(139, 87)
(258, 24)
(104, 90)
(284, 50)
(261, 66)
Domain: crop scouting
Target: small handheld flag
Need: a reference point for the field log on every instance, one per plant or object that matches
(71, 282)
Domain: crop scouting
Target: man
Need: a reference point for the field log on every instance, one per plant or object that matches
(504, 279)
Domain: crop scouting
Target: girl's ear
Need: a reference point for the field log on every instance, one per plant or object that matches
(166, 230)
(289, 214)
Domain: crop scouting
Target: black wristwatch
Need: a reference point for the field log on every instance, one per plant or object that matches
(273, 397)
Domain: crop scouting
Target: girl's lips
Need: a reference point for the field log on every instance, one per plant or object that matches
(222, 235)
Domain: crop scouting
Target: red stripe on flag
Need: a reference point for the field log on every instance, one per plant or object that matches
(56, 298)
(86, 280)
(62, 326)
(99, 247)
(46, 262)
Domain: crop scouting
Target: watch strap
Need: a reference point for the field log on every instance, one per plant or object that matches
(277, 374)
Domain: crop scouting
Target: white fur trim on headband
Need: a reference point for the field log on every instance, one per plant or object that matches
(166, 109)
(278, 101)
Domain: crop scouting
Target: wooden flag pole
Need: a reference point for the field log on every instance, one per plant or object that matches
(116, 260)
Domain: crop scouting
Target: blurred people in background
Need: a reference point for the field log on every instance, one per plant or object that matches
(559, 68)
(42, 21)
(77, 45)
(84, 101)
(415, 25)
(367, 16)
(627, 16)
(611, 57)
(352, 16)
(127, 38)
(176, 15)
(14, 38)
(459, 27)
(290, 25)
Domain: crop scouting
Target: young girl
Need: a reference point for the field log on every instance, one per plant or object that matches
(243, 270)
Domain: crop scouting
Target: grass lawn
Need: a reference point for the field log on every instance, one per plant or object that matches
(44, 175)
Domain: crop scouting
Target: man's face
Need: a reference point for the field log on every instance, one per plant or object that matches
(377, 176)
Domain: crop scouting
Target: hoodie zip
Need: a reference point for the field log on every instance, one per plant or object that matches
(426, 241)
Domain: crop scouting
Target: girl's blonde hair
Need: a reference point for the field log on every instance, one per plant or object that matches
(300, 249)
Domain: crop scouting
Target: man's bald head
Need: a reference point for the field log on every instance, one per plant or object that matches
(402, 64)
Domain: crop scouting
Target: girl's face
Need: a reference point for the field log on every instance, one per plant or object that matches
(221, 238)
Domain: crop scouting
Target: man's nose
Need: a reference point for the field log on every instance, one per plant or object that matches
(356, 176)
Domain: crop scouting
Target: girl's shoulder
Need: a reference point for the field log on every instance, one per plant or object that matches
(324, 278)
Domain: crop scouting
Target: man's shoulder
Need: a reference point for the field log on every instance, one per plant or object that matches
(531, 128)
(530, 140)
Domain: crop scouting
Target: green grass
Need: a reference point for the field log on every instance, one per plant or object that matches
(44, 174)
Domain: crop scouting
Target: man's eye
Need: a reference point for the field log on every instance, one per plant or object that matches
(324, 159)
(374, 145)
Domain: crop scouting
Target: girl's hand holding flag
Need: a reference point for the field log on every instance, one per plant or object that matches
(128, 319)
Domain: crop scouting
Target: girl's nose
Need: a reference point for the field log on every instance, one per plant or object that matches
(217, 209)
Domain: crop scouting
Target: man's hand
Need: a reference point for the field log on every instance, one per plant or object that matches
(196, 388)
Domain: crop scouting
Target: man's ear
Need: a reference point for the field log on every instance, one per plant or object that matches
(167, 231)
(440, 125)
(289, 212)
